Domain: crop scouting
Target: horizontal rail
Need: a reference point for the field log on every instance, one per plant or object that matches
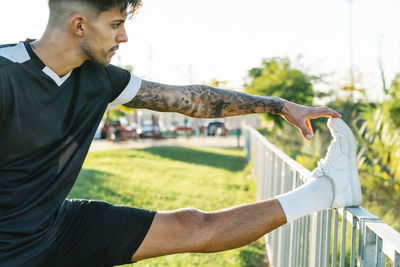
(390, 239)
(314, 240)
(294, 164)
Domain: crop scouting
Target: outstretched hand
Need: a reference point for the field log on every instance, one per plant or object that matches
(300, 116)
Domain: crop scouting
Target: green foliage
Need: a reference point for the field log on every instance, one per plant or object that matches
(276, 77)
(376, 127)
(351, 111)
(114, 114)
(311, 152)
(253, 255)
(216, 83)
(287, 138)
(166, 178)
(380, 132)
(393, 105)
(118, 112)
(379, 157)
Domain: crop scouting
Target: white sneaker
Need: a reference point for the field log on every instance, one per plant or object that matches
(340, 166)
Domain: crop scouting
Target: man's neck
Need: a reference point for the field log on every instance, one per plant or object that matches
(58, 53)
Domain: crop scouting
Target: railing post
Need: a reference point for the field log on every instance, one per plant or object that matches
(292, 184)
(328, 238)
(366, 243)
(343, 240)
(261, 172)
(369, 251)
(307, 241)
(323, 238)
(353, 241)
(379, 258)
(315, 238)
(284, 231)
(335, 236)
(247, 139)
(396, 262)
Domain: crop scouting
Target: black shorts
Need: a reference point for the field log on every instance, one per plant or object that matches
(95, 233)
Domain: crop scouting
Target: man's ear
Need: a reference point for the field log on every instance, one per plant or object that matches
(78, 24)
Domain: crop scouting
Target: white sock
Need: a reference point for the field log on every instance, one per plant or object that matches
(313, 196)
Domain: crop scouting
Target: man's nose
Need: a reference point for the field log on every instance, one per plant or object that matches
(122, 37)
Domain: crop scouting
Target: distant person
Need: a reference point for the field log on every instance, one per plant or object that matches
(53, 94)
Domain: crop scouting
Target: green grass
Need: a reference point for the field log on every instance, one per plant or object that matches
(165, 178)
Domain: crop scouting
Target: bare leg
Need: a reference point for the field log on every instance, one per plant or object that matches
(190, 230)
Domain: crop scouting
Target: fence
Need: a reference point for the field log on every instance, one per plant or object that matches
(313, 240)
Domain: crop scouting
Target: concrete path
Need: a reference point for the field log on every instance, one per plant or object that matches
(100, 145)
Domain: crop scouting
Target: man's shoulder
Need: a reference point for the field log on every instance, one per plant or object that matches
(92, 75)
(4, 61)
(92, 66)
(7, 45)
(91, 69)
(12, 53)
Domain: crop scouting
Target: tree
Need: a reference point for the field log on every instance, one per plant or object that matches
(379, 156)
(380, 132)
(276, 77)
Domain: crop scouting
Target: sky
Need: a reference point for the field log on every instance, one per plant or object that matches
(191, 41)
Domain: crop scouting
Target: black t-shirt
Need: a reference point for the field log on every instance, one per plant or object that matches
(46, 126)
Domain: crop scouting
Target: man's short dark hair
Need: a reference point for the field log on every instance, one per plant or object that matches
(131, 6)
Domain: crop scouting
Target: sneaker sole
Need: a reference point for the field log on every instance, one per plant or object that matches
(352, 164)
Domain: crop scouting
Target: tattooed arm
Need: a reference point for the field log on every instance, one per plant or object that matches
(201, 101)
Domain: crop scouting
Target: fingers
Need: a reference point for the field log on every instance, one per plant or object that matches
(300, 116)
(306, 129)
(323, 112)
(308, 124)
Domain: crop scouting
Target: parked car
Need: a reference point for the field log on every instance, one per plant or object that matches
(119, 130)
(216, 128)
(147, 130)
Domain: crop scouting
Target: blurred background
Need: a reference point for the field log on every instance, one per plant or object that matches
(340, 53)
(188, 41)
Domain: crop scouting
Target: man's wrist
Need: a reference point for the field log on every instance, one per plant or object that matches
(276, 105)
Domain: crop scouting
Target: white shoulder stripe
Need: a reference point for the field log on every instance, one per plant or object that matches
(128, 93)
(17, 53)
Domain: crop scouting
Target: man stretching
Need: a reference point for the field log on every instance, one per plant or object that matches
(53, 94)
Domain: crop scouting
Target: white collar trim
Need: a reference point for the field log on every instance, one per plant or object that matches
(59, 81)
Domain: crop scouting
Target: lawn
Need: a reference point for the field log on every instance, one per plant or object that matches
(164, 178)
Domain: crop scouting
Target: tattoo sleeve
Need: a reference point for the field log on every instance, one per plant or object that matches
(201, 101)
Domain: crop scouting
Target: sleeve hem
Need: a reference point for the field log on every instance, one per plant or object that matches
(127, 94)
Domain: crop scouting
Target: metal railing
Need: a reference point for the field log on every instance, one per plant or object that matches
(314, 240)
